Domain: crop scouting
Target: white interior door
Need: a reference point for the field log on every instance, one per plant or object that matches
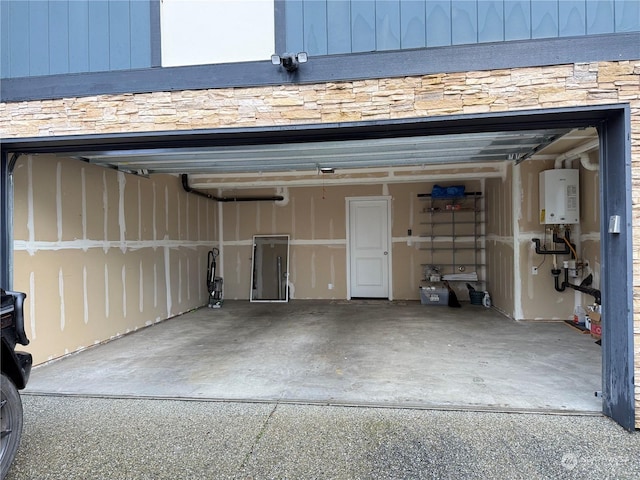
(369, 247)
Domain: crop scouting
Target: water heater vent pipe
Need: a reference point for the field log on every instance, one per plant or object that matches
(577, 152)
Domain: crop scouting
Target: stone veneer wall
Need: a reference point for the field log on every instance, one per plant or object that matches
(418, 96)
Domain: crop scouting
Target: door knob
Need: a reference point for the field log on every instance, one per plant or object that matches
(386, 253)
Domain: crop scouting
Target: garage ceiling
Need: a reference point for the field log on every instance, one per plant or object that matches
(312, 156)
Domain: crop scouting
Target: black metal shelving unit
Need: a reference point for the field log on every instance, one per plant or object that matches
(452, 234)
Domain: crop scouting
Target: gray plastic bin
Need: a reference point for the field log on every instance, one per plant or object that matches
(434, 295)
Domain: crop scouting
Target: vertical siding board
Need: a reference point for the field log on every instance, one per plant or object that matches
(18, 30)
(5, 41)
(438, 23)
(38, 38)
(140, 34)
(98, 36)
(600, 17)
(387, 25)
(363, 26)
(279, 23)
(464, 22)
(155, 47)
(491, 21)
(119, 35)
(78, 36)
(544, 19)
(627, 15)
(572, 18)
(338, 27)
(59, 37)
(412, 24)
(294, 26)
(517, 20)
(315, 27)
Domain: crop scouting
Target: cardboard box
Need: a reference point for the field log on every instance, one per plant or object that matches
(596, 325)
(434, 295)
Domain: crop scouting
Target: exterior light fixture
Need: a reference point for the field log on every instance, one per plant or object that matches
(290, 61)
(327, 170)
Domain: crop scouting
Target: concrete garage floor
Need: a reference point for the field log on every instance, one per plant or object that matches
(399, 354)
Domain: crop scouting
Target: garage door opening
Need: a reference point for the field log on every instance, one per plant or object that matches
(229, 226)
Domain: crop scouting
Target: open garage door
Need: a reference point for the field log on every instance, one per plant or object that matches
(513, 137)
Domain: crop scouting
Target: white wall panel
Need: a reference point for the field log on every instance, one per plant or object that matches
(198, 32)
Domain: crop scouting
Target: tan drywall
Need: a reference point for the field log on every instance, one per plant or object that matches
(314, 267)
(499, 241)
(534, 288)
(406, 254)
(407, 270)
(586, 236)
(588, 241)
(311, 269)
(590, 218)
(101, 253)
(315, 219)
(237, 270)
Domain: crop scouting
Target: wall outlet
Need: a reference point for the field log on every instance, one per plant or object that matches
(534, 270)
(330, 286)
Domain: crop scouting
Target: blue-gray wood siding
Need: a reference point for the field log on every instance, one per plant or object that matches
(46, 37)
(325, 27)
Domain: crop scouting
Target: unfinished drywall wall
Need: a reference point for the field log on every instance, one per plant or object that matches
(539, 299)
(315, 219)
(101, 253)
(590, 219)
(110, 253)
(407, 254)
(501, 281)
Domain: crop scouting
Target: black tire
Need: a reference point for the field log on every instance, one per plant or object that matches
(11, 407)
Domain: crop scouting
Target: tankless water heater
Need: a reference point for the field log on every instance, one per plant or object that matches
(559, 197)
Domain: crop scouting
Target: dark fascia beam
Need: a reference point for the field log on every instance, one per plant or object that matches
(330, 68)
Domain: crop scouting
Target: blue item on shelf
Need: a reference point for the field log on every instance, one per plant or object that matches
(452, 191)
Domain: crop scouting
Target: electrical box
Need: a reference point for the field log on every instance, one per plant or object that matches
(559, 197)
